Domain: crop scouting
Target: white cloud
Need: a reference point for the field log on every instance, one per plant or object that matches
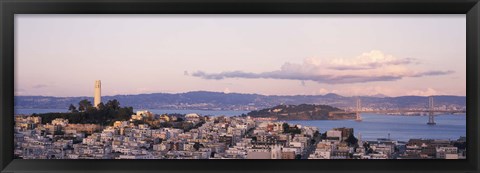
(39, 86)
(426, 92)
(303, 83)
(322, 91)
(369, 60)
(371, 66)
(20, 91)
(226, 91)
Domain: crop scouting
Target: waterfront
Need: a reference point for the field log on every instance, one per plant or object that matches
(372, 127)
(400, 128)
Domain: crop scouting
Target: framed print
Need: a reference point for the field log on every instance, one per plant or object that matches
(230, 86)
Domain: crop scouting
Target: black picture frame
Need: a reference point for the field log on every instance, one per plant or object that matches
(11, 7)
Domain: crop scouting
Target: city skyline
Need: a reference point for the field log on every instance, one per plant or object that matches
(392, 55)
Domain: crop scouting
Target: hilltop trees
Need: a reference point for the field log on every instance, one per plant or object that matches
(292, 130)
(84, 105)
(105, 114)
(295, 112)
(72, 108)
(101, 106)
(114, 104)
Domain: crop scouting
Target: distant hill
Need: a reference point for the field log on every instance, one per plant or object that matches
(299, 112)
(204, 100)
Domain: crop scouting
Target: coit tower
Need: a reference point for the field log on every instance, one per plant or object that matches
(98, 96)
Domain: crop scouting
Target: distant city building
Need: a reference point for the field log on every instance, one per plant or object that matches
(140, 115)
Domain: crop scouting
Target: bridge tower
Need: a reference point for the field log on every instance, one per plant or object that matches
(358, 109)
(431, 117)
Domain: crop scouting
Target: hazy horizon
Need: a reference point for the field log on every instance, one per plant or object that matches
(349, 55)
(376, 95)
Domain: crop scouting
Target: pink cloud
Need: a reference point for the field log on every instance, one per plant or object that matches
(371, 66)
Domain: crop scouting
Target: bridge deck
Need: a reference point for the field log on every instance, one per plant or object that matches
(398, 111)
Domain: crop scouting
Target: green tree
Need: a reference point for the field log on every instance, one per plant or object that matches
(179, 119)
(83, 105)
(91, 109)
(90, 115)
(212, 155)
(460, 145)
(196, 146)
(72, 108)
(369, 151)
(366, 145)
(316, 134)
(351, 140)
(286, 127)
(101, 106)
(113, 104)
(323, 136)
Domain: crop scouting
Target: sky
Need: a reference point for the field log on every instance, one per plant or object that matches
(393, 55)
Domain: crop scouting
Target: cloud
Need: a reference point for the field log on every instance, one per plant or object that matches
(143, 90)
(427, 92)
(434, 73)
(226, 91)
(372, 66)
(39, 86)
(302, 83)
(20, 91)
(355, 90)
(295, 75)
(369, 60)
(323, 91)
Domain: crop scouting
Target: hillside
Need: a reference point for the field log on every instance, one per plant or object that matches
(299, 112)
(204, 100)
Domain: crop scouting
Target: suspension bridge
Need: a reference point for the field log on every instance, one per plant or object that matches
(431, 111)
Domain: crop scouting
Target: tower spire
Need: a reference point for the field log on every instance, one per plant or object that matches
(358, 109)
(431, 116)
(98, 96)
